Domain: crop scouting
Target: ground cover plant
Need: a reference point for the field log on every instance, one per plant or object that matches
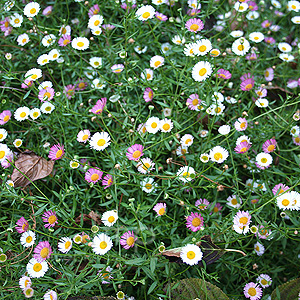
(149, 149)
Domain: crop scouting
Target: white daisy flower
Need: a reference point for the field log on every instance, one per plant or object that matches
(65, 245)
(264, 280)
(65, 30)
(8, 5)
(44, 85)
(74, 164)
(182, 150)
(47, 107)
(27, 238)
(148, 185)
(100, 141)
(22, 113)
(256, 37)
(10, 183)
(147, 74)
(236, 33)
(145, 165)
(259, 248)
(204, 157)
(3, 134)
(145, 12)
(36, 269)
(216, 109)
(54, 54)
(276, 3)
(17, 143)
(233, 201)
(24, 282)
(285, 200)
(33, 74)
(23, 39)
(240, 7)
(252, 15)
(16, 20)
(187, 140)
(295, 200)
(202, 47)
(31, 9)
(264, 159)
(4, 151)
(98, 84)
(96, 62)
(194, 4)
(215, 52)
(165, 48)
(201, 71)
(293, 6)
(140, 50)
(43, 59)
(240, 47)
(296, 19)
(243, 138)
(48, 40)
(191, 254)
(165, 125)
(186, 173)
(109, 218)
(286, 57)
(224, 129)
(285, 47)
(152, 125)
(178, 40)
(102, 243)
(218, 154)
(189, 49)
(262, 102)
(156, 61)
(95, 22)
(50, 295)
(80, 43)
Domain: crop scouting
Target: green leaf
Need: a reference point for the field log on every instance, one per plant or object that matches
(287, 291)
(152, 287)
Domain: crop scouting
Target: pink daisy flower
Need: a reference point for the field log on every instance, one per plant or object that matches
(161, 17)
(98, 108)
(160, 208)
(193, 102)
(42, 251)
(247, 84)
(241, 124)
(281, 188)
(105, 275)
(50, 218)
(47, 11)
(5, 117)
(245, 76)
(81, 85)
(135, 152)
(269, 74)
(8, 159)
(51, 295)
(221, 73)
(5, 26)
(56, 152)
(22, 225)
(93, 175)
(269, 40)
(148, 95)
(243, 147)
(262, 232)
(108, 26)
(69, 91)
(266, 24)
(269, 146)
(193, 11)
(261, 93)
(127, 240)
(202, 204)
(64, 40)
(94, 10)
(194, 25)
(292, 84)
(117, 68)
(83, 136)
(127, 7)
(296, 140)
(107, 181)
(194, 222)
(252, 6)
(217, 209)
(252, 56)
(241, 222)
(252, 291)
(46, 94)
(26, 84)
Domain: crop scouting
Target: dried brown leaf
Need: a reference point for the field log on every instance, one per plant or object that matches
(33, 166)
(88, 217)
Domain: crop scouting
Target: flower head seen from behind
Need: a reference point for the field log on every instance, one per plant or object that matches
(252, 291)
(127, 240)
(191, 254)
(101, 244)
(56, 152)
(194, 222)
(50, 218)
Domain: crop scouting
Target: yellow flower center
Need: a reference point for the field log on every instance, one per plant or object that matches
(202, 48)
(146, 15)
(29, 239)
(157, 63)
(244, 149)
(23, 114)
(214, 52)
(66, 42)
(34, 76)
(196, 222)
(186, 174)
(130, 241)
(18, 143)
(47, 94)
(94, 177)
(194, 27)
(294, 6)
(24, 226)
(33, 11)
(285, 202)
(161, 211)
(67, 244)
(218, 109)
(243, 125)
(44, 252)
(103, 245)
(202, 72)
(109, 181)
(297, 140)
(80, 44)
(252, 291)
(234, 201)
(154, 125)
(264, 282)
(99, 110)
(148, 76)
(6, 118)
(58, 153)
(111, 219)
(188, 141)
(52, 219)
(97, 22)
(85, 137)
(26, 282)
(1, 136)
(195, 102)
(148, 186)
(146, 166)
(271, 148)
(191, 255)
(248, 86)
(240, 47)
(244, 220)
(101, 142)
(136, 154)
(263, 160)
(218, 156)
(48, 108)
(166, 127)
(17, 21)
(35, 114)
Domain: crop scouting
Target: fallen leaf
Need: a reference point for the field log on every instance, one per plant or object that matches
(88, 217)
(211, 252)
(33, 166)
